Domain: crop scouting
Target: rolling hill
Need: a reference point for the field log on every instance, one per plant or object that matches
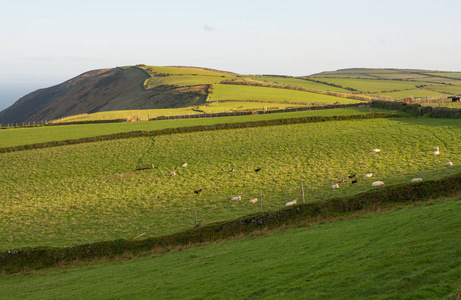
(150, 87)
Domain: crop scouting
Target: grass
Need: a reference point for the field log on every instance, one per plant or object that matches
(370, 85)
(90, 192)
(185, 80)
(413, 253)
(24, 136)
(300, 82)
(187, 71)
(240, 92)
(415, 93)
(215, 107)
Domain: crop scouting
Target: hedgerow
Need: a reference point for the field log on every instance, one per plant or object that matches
(41, 257)
(179, 130)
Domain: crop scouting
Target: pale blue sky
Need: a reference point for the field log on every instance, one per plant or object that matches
(46, 42)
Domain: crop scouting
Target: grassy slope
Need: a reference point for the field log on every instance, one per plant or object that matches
(411, 253)
(300, 82)
(239, 92)
(24, 136)
(215, 107)
(88, 192)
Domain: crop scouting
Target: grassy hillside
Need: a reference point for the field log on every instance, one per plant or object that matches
(397, 84)
(33, 135)
(413, 252)
(239, 92)
(90, 192)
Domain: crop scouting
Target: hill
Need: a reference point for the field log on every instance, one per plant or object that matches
(143, 87)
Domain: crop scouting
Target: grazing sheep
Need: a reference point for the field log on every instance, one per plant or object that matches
(184, 165)
(257, 170)
(351, 176)
(376, 150)
(449, 164)
(173, 173)
(436, 152)
(198, 191)
(355, 181)
(416, 179)
(231, 170)
(377, 183)
(341, 180)
(335, 186)
(436, 148)
(238, 198)
(368, 175)
(290, 203)
(253, 201)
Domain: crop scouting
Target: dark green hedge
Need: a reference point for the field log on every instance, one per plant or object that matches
(36, 258)
(167, 131)
(417, 109)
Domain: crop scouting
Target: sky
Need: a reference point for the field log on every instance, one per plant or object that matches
(43, 43)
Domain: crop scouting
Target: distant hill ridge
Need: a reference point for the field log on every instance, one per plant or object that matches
(152, 87)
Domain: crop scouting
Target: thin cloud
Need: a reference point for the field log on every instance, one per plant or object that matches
(207, 28)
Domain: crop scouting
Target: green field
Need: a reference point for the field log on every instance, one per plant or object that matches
(370, 85)
(24, 136)
(188, 71)
(240, 92)
(300, 82)
(451, 89)
(415, 93)
(184, 80)
(447, 74)
(409, 253)
(90, 192)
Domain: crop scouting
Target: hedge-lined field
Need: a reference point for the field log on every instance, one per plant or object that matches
(242, 92)
(300, 82)
(90, 192)
(412, 252)
(25, 136)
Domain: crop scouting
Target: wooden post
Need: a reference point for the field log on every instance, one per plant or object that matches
(195, 218)
(261, 201)
(302, 191)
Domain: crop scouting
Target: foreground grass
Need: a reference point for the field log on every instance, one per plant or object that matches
(413, 253)
(25, 136)
(84, 193)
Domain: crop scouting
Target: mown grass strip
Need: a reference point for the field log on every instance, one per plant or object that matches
(168, 131)
(36, 258)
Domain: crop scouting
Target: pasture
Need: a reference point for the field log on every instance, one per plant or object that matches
(413, 252)
(371, 85)
(300, 82)
(90, 192)
(241, 92)
(32, 135)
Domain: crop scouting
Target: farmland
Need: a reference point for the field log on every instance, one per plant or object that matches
(23, 136)
(412, 252)
(237, 92)
(90, 192)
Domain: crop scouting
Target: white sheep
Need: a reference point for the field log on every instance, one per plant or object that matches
(377, 183)
(290, 203)
(376, 150)
(416, 179)
(231, 170)
(436, 152)
(368, 175)
(449, 164)
(436, 148)
(173, 173)
(184, 165)
(253, 201)
(335, 186)
(238, 198)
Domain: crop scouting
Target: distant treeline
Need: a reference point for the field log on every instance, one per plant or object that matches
(17, 260)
